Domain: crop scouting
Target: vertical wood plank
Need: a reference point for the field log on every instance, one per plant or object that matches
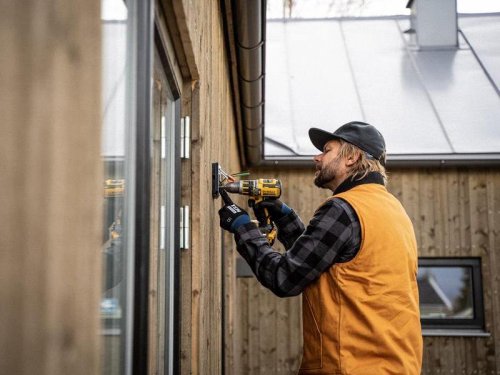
(426, 217)
(197, 236)
(451, 188)
(394, 185)
(241, 321)
(210, 105)
(440, 223)
(411, 202)
(493, 188)
(51, 187)
(267, 328)
(155, 220)
(186, 287)
(253, 328)
(294, 336)
(465, 215)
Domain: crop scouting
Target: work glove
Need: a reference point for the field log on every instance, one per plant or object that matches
(231, 215)
(275, 208)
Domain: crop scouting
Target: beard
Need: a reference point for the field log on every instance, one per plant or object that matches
(326, 174)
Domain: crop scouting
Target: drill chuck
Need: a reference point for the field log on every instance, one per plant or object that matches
(232, 187)
(270, 188)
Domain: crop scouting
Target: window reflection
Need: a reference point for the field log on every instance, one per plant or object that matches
(114, 153)
(445, 292)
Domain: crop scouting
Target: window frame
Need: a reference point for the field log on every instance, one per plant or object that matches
(477, 323)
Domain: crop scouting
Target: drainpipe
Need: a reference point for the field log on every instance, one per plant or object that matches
(250, 21)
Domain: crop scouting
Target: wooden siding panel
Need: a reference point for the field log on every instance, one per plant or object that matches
(204, 270)
(185, 283)
(267, 342)
(51, 187)
(451, 191)
(254, 327)
(153, 317)
(240, 337)
(493, 187)
(465, 214)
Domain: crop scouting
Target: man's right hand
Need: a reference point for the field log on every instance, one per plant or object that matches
(231, 215)
(275, 208)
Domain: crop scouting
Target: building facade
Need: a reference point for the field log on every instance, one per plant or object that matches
(112, 257)
(112, 260)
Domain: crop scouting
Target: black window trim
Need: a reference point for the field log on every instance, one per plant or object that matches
(461, 326)
(143, 39)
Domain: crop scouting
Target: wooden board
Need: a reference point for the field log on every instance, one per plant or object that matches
(51, 187)
(207, 278)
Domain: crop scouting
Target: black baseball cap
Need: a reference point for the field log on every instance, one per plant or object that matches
(360, 134)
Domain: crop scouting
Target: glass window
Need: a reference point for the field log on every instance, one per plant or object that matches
(115, 156)
(445, 292)
(450, 293)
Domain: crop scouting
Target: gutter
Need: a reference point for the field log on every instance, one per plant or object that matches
(399, 161)
(245, 26)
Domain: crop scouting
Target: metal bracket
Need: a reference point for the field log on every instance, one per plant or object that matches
(220, 177)
(184, 228)
(185, 137)
(216, 178)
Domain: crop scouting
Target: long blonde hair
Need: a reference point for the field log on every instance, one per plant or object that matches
(363, 165)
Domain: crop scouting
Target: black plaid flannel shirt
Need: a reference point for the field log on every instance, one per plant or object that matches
(332, 236)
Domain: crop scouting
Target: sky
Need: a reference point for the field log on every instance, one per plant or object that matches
(364, 8)
(448, 278)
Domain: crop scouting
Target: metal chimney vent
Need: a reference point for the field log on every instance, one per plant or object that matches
(434, 23)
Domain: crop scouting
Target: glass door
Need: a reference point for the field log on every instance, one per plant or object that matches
(164, 224)
(117, 156)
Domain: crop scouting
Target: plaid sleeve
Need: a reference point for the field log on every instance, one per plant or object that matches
(290, 227)
(333, 230)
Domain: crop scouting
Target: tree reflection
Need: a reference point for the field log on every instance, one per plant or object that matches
(463, 304)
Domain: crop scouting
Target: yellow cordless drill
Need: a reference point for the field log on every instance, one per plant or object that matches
(258, 190)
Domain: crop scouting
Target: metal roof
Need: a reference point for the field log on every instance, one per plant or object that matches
(432, 103)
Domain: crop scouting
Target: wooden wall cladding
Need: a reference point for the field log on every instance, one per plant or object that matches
(455, 212)
(207, 279)
(50, 187)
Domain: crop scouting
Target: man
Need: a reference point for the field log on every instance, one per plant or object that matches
(355, 263)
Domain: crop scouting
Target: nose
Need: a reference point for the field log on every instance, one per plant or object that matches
(317, 158)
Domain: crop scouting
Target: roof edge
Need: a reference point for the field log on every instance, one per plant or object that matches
(373, 18)
(407, 161)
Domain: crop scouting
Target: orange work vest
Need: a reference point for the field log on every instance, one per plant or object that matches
(362, 317)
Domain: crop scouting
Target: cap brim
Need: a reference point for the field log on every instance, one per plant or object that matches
(320, 137)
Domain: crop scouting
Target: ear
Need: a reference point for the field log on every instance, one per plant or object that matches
(352, 159)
